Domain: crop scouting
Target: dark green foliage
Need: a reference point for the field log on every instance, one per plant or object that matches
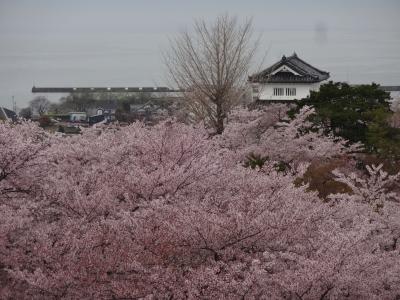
(255, 160)
(26, 113)
(282, 166)
(356, 113)
(381, 138)
(125, 106)
(72, 130)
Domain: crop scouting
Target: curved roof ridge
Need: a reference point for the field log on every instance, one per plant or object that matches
(306, 63)
(309, 72)
(294, 66)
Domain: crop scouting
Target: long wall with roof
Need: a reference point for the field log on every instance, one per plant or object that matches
(269, 91)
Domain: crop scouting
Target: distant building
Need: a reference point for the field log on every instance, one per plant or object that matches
(108, 111)
(7, 115)
(289, 79)
(394, 92)
(77, 116)
(155, 110)
(96, 119)
(105, 113)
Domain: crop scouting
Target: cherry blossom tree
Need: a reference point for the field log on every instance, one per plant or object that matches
(21, 147)
(291, 141)
(171, 212)
(372, 189)
(22, 170)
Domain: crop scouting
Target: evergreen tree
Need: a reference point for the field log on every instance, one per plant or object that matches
(356, 113)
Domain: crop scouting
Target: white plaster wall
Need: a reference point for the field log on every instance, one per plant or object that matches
(78, 116)
(395, 100)
(266, 90)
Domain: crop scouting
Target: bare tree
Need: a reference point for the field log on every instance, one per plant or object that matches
(26, 113)
(210, 65)
(39, 105)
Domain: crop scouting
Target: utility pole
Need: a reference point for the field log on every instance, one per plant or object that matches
(14, 103)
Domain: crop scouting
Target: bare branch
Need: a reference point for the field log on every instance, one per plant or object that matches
(210, 64)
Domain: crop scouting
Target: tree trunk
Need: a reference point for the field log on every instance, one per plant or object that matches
(220, 119)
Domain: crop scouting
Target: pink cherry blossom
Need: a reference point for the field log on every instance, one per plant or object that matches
(170, 212)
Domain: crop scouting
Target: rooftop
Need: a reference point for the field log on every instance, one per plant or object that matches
(290, 69)
(6, 114)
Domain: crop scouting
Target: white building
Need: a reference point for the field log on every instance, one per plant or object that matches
(77, 116)
(289, 79)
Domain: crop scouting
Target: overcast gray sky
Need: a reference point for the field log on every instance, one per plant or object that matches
(118, 42)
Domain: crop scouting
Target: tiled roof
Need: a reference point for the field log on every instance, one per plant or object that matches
(6, 114)
(390, 88)
(307, 73)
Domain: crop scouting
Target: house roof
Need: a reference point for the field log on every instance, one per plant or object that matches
(390, 88)
(6, 114)
(306, 73)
